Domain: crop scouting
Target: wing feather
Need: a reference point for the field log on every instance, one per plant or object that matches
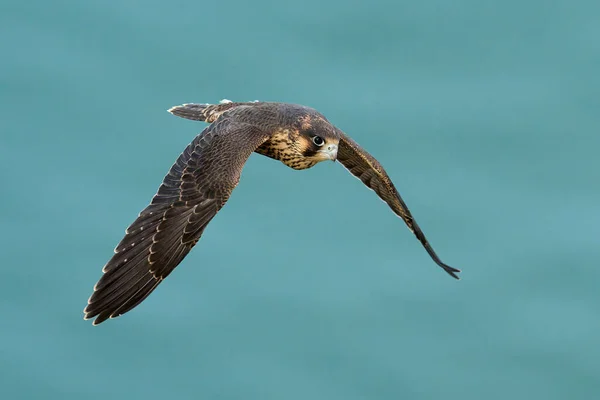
(366, 168)
(192, 192)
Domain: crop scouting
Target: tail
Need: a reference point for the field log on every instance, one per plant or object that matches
(205, 112)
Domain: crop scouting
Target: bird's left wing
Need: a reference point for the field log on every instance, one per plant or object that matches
(194, 190)
(366, 168)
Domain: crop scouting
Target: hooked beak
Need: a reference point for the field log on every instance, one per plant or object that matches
(330, 152)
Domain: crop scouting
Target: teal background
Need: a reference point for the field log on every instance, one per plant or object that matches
(306, 286)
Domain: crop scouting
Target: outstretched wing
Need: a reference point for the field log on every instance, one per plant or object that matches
(366, 168)
(194, 190)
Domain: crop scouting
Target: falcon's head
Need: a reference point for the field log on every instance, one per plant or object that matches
(318, 145)
(315, 140)
(302, 137)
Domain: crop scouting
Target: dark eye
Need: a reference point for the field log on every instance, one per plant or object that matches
(318, 140)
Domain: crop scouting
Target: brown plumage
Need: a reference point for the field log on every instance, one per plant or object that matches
(202, 179)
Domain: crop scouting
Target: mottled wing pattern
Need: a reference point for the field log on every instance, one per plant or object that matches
(366, 168)
(193, 191)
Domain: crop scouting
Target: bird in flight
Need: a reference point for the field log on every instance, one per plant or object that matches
(199, 183)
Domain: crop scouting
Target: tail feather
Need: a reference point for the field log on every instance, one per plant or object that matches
(205, 112)
(191, 111)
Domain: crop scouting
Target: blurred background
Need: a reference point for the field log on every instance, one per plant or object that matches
(306, 286)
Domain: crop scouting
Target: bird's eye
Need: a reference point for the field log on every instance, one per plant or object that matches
(318, 140)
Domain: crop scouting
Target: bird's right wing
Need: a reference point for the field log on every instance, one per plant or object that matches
(194, 190)
(366, 168)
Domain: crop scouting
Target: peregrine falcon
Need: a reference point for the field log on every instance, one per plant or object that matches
(199, 183)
